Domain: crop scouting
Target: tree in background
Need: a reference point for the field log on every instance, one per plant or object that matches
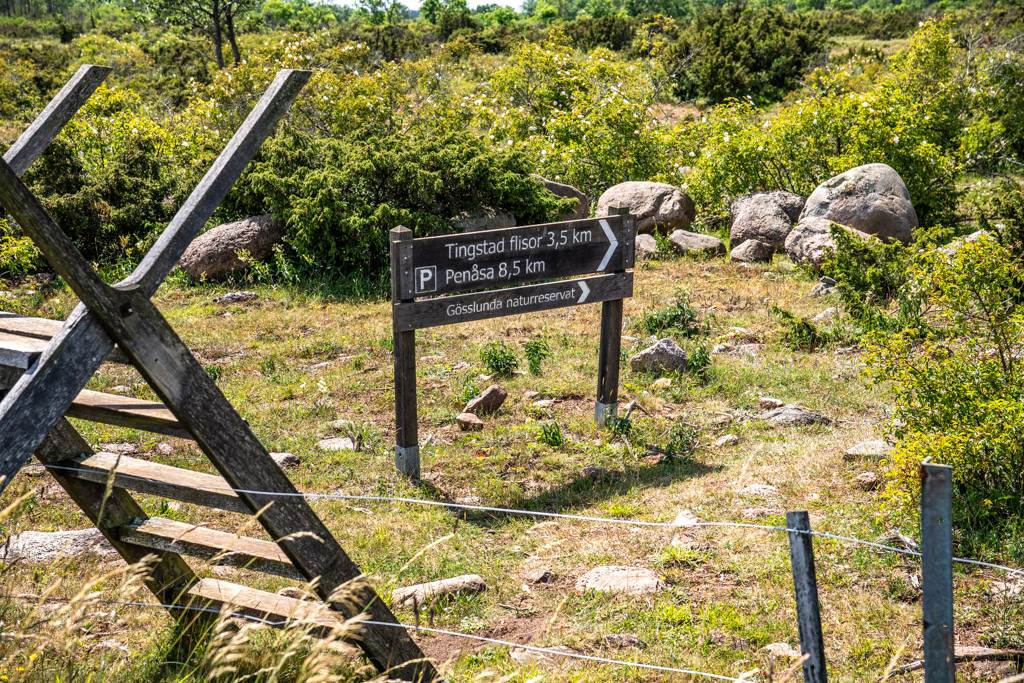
(212, 18)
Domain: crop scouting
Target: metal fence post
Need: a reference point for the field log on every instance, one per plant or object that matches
(805, 585)
(937, 572)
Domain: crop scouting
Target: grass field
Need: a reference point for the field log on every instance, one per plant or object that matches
(301, 368)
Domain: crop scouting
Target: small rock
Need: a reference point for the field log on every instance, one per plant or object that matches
(769, 403)
(110, 644)
(489, 401)
(662, 383)
(535, 576)
(752, 251)
(120, 448)
(33, 470)
(760, 491)
(686, 518)
(596, 473)
(1006, 589)
(421, 593)
(782, 650)
(876, 449)
(45, 546)
(823, 289)
(544, 403)
(826, 316)
(727, 440)
(288, 460)
(121, 389)
(469, 500)
(530, 394)
(338, 443)
(758, 512)
(468, 422)
(730, 349)
(697, 244)
(461, 365)
(526, 657)
(296, 593)
(867, 481)
(792, 416)
(645, 247)
(664, 356)
(235, 297)
(623, 641)
(165, 448)
(628, 580)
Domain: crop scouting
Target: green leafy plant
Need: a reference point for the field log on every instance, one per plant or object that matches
(618, 426)
(682, 440)
(499, 358)
(698, 361)
(680, 317)
(550, 434)
(800, 334)
(537, 350)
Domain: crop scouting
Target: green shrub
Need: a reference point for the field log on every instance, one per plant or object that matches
(799, 334)
(550, 434)
(680, 317)
(698, 361)
(537, 350)
(499, 358)
(18, 255)
(682, 440)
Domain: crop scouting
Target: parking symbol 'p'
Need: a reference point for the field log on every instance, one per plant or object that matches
(426, 279)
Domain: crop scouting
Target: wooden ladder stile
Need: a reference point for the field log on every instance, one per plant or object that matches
(46, 365)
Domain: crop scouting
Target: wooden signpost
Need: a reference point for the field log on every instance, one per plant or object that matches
(471, 276)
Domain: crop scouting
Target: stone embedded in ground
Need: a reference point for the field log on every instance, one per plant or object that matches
(337, 443)
(165, 448)
(1005, 589)
(521, 655)
(686, 518)
(535, 576)
(727, 440)
(120, 448)
(623, 641)
(752, 251)
(286, 460)
(215, 253)
(489, 401)
(760, 491)
(530, 394)
(45, 546)
(236, 297)
(769, 403)
(423, 593)
(657, 207)
(662, 383)
(783, 650)
(874, 449)
(793, 416)
(867, 481)
(730, 349)
(697, 244)
(296, 593)
(597, 473)
(663, 356)
(871, 198)
(826, 316)
(544, 403)
(759, 512)
(121, 389)
(645, 247)
(468, 422)
(626, 580)
(822, 289)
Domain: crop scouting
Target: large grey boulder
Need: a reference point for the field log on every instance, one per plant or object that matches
(765, 216)
(214, 254)
(872, 198)
(696, 244)
(663, 356)
(752, 251)
(811, 239)
(658, 207)
(568, 191)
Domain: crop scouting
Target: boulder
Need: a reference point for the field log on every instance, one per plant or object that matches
(468, 422)
(214, 254)
(484, 219)
(645, 247)
(568, 191)
(766, 216)
(872, 198)
(488, 401)
(422, 593)
(663, 356)
(657, 207)
(46, 546)
(811, 239)
(695, 243)
(628, 580)
(793, 416)
(752, 251)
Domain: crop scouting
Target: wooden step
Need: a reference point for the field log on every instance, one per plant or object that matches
(219, 546)
(260, 604)
(125, 411)
(175, 483)
(23, 338)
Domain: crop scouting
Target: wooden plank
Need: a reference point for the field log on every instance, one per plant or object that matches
(55, 116)
(154, 478)
(211, 190)
(19, 352)
(465, 262)
(260, 604)
(209, 544)
(125, 411)
(42, 328)
(460, 308)
(407, 449)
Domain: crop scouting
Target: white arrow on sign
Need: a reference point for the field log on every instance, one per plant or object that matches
(586, 291)
(611, 247)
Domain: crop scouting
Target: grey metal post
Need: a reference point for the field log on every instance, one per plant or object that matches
(937, 572)
(805, 585)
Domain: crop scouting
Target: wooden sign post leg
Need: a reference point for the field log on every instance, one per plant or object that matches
(611, 344)
(407, 447)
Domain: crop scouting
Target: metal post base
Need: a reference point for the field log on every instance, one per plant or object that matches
(602, 411)
(407, 460)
